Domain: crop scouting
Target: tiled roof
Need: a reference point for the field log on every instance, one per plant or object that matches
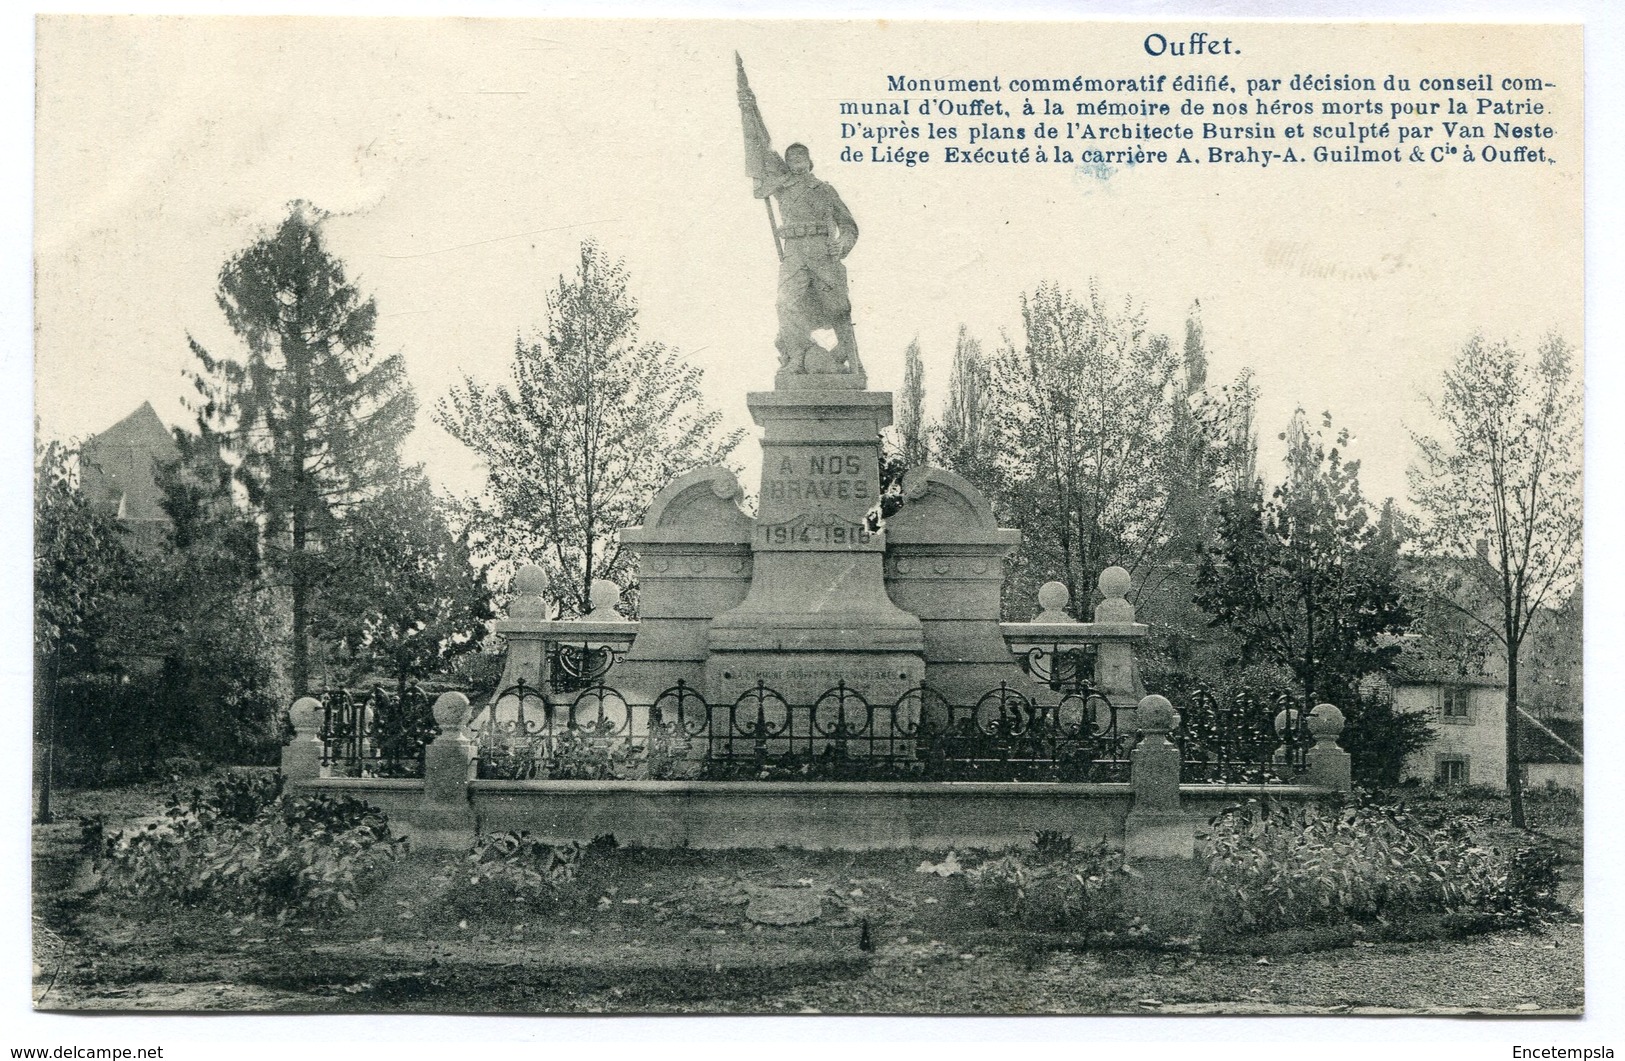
(1423, 661)
(117, 467)
(1535, 745)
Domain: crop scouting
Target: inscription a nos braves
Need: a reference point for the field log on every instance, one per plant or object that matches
(820, 477)
(818, 500)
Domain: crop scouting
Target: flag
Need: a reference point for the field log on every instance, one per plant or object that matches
(763, 165)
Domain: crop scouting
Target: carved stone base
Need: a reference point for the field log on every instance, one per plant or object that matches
(790, 380)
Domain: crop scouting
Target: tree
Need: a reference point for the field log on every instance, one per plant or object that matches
(210, 618)
(405, 596)
(1211, 454)
(911, 431)
(311, 418)
(152, 652)
(1082, 414)
(594, 422)
(82, 563)
(962, 439)
(1505, 472)
(1308, 578)
(1195, 349)
(82, 567)
(962, 429)
(1379, 737)
(1553, 667)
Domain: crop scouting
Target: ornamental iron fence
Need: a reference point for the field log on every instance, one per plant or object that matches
(600, 734)
(577, 729)
(374, 733)
(1063, 667)
(1245, 737)
(574, 667)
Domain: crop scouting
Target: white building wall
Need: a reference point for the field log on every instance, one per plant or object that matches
(1563, 775)
(1480, 738)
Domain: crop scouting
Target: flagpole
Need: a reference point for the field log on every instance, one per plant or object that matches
(773, 226)
(746, 95)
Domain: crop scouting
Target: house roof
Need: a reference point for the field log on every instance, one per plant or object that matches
(1553, 740)
(1423, 660)
(117, 468)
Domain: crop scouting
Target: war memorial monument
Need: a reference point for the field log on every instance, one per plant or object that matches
(821, 674)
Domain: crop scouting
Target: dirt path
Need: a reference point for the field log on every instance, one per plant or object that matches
(609, 964)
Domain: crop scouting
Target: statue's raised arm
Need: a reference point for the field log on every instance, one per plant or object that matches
(812, 233)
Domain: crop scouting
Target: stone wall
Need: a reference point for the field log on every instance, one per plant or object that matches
(812, 815)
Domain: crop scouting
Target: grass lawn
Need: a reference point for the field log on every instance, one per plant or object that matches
(673, 931)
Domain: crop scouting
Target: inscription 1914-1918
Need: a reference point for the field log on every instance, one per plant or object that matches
(818, 500)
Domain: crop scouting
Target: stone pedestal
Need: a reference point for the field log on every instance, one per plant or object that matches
(945, 556)
(302, 756)
(533, 637)
(1329, 765)
(444, 820)
(817, 610)
(1156, 827)
(694, 563)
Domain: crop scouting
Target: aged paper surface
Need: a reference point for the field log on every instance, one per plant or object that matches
(1348, 203)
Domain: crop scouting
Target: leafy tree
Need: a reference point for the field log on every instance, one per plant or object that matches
(910, 429)
(1211, 456)
(210, 618)
(1379, 737)
(1552, 671)
(144, 654)
(1195, 349)
(405, 596)
(1308, 578)
(311, 418)
(82, 565)
(1082, 414)
(82, 569)
(595, 421)
(1504, 471)
(962, 438)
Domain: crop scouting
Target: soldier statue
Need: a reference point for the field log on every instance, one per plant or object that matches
(813, 231)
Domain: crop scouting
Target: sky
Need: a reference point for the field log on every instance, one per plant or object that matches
(463, 161)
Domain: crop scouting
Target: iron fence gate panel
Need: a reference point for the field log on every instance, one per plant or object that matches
(576, 667)
(1246, 737)
(374, 733)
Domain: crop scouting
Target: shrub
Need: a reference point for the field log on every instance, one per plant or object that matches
(1379, 738)
(578, 756)
(519, 869)
(248, 849)
(1553, 807)
(1051, 844)
(1067, 892)
(242, 797)
(1278, 865)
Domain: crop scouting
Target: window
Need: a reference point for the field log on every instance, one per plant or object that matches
(1455, 703)
(1451, 770)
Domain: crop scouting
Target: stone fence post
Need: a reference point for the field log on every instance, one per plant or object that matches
(1329, 764)
(1156, 826)
(1114, 663)
(302, 756)
(445, 818)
